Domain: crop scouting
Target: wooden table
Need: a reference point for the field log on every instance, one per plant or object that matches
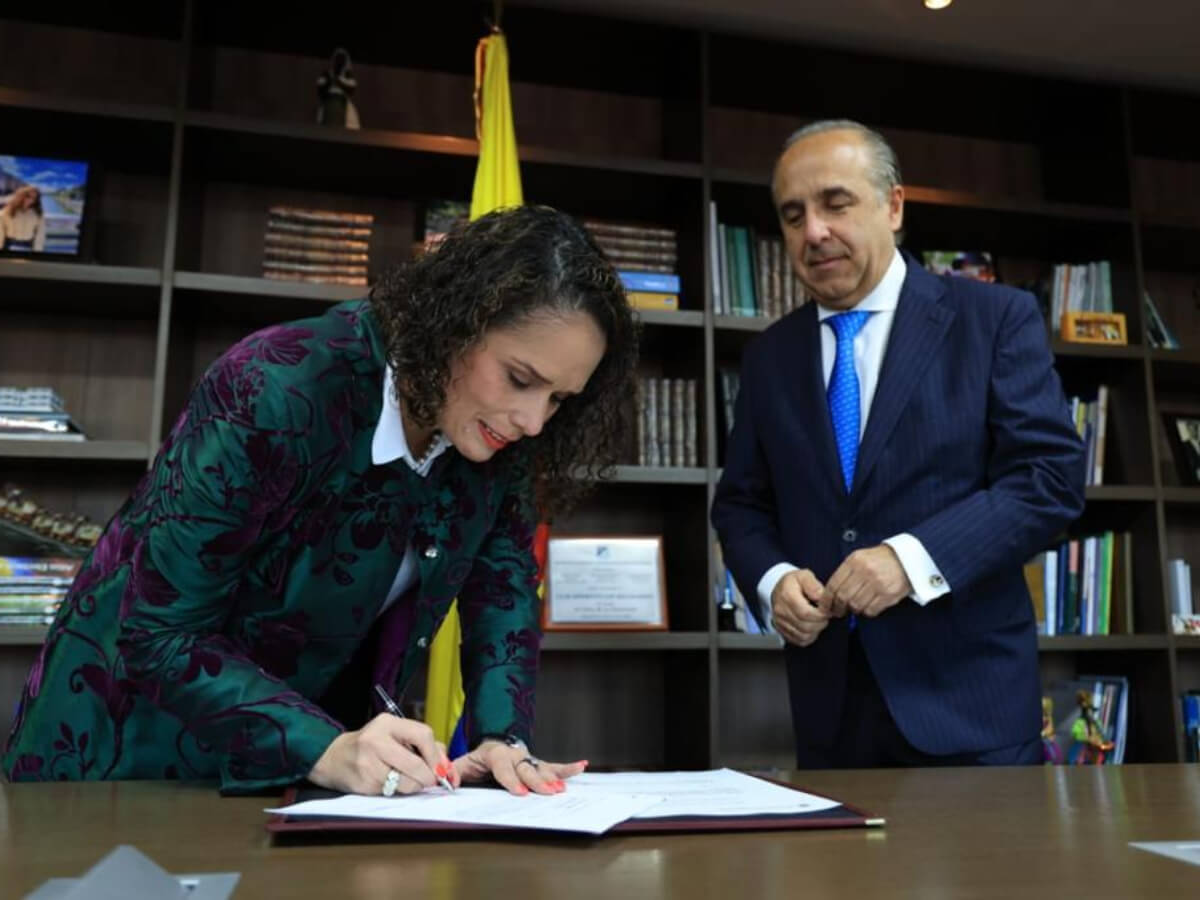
(951, 833)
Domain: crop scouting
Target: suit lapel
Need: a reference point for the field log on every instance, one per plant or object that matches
(918, 329)
(811, 404)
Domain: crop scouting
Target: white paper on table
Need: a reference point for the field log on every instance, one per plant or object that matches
(591, 812)
(718, 793)
(1184, 851)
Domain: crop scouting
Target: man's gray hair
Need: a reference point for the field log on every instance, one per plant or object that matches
(884, 171)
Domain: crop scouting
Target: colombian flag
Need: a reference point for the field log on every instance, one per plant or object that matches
(497, 184)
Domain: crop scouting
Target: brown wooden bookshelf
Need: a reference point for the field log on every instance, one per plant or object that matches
(1121, 492)
(1096, 351)
(191, 160)
(265, 287)
(67, 272)
(22, 636)
(659, 475)
(56, 103)
(76, 451)
(622, 641)
(1101, 643)
(742, 323)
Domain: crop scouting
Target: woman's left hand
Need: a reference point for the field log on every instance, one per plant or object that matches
(515, 768)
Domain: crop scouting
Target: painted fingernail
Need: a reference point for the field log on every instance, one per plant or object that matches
(522, 791)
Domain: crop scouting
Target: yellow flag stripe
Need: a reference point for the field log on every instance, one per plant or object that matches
(497, 184)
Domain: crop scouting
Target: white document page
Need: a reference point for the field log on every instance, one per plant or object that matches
(591, 812)
(592, 803)
(718, 792)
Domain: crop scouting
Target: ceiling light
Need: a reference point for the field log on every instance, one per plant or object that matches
(937, 4)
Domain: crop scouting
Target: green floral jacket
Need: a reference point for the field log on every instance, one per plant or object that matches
(249, 565)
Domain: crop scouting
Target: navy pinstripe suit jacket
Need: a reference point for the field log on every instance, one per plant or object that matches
(969, 447)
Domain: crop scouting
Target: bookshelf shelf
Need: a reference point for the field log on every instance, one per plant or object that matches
(683, 318)
(434, 144)
(265, 287)
(729, 640)
(36, 270)
(659, 475)
(1097, 351)
(617, 641)
(79, 451)
(103, 109)
(1076, 642)
(1188, 495)
(1122, 492)
(742, 323)
(1187, 642)
(22, 635)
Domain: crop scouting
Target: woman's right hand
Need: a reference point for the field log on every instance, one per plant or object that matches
(358, 762)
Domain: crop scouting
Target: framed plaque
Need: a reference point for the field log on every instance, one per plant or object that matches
(606, 582)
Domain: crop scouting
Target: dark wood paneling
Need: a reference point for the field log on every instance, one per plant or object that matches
(76, 62)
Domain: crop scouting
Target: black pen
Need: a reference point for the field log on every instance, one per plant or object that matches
(394, 709)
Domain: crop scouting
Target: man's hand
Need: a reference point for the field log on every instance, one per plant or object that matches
(867, 582)
(798, 607)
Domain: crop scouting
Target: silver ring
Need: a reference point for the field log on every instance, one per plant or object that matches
(391, 783)
(532, 760)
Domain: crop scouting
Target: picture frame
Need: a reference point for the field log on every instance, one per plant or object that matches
(605, 583)
(1094, 328)
(66, 196)
(1183, 434)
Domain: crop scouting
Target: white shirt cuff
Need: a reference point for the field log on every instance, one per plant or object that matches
(766, 586)
(923, 574)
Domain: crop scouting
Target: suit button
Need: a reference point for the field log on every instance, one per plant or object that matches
(849, 535)
(936, 581)
(422, 642)
(431, 552)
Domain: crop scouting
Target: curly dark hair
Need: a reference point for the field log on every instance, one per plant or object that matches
(501, 270)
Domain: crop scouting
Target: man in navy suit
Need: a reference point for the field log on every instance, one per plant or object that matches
(901, 447)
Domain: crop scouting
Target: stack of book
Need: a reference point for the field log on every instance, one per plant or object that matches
(1084, 586)
(1086, 287)
(646, 258)
(1091, 422)
(728, 381)
(666, 422)
(751, 273)
(316, 245)
(35, 413)
(32, 588)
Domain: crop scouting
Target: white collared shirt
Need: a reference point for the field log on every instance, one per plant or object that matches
(388, 445)
(870, 345)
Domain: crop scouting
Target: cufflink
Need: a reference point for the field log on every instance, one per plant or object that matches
(936, 581)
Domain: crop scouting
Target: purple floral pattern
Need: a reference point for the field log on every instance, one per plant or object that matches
(250, 563)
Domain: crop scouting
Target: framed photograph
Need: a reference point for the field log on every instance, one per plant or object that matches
(43, 206)
(606, 583)
(1183, 431)
(1094, 328)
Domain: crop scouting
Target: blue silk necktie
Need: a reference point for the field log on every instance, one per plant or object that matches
(843, 397)
(843, 393)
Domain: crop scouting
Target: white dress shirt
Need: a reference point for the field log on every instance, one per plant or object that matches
(869, 346)
(387, 445)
